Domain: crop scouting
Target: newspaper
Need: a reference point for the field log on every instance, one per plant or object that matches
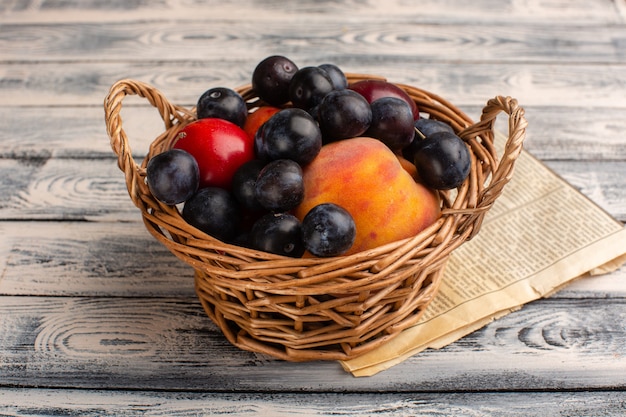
(540, 235)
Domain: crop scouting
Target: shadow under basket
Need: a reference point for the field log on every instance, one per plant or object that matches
(322, 308)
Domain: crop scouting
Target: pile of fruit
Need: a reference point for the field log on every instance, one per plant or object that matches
(318, 167)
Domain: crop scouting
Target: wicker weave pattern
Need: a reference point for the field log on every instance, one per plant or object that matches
(321, 308)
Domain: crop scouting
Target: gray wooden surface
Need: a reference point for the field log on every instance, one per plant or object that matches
(97, 318)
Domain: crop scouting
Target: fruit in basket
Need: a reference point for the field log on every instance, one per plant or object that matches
(223, 103)
(328, 230)
(219, 146)
(257, 118)
(374, 89)
(279, 233)
(308, 87)
(271, 78)
(173, 176)
(244, 185)
(370, 187)
(408, 167)
(366, 178)
(343, 114)
(442, 160)
(337, 76)
(430, 126)
(280, 186)
(214, 211)
(289, 134)
(392, 123)
(425, 127)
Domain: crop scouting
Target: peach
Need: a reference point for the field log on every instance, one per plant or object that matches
(408, 166)
(366, 178)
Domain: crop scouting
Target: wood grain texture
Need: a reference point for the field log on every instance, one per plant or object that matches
(166, 343)
(585, 176)
(154, 40)
(81, 190)
(29, 402)
(97, 318)
(89, 259)
(183, 81)
(579, 11)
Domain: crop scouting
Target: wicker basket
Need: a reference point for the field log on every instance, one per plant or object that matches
(321, 308)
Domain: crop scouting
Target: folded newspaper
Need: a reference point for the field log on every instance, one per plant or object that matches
(540, 235)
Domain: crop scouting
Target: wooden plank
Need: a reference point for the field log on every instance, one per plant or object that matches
(620, 6)
(182, 40)
(575, 133)
(123, 260)
(604, 186)
(73, 132)
(579, 11)
(470, 84)
(168, 344)
(21, 402)
(81, 189)
(600, 287)
(94, 259)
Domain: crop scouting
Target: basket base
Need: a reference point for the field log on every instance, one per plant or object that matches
(279, 331)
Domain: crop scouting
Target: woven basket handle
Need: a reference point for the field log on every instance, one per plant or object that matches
(119, 140)
(503, 169)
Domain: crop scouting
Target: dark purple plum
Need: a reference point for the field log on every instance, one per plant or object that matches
(291, 133)
(429, 126)
(280, 186)
(374, 89)
(426, 127)
(337, 76)
(214, 211)
(308, 87)
(173, 176)
(343, 114)
(392, 122)
(222, 103)
(279, 233)
(271, 79)
(243, 185)
(442, 160)
(328, 230)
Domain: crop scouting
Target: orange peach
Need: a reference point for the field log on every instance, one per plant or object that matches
(408, 166)
(366, 178)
